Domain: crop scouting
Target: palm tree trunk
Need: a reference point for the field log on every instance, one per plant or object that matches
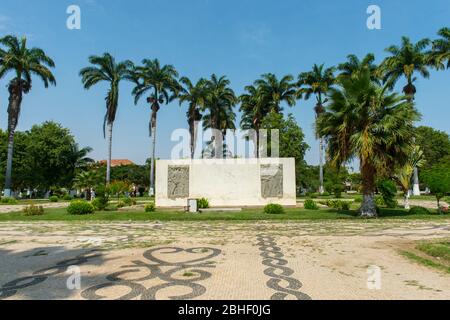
(193, 131)
(8, 180)
(321, 188)
(416, 187)
(406, 200)
(368, 207)
(15, 100)
(108, 161)
(151, 191)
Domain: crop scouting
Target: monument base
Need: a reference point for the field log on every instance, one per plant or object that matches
(226, 182)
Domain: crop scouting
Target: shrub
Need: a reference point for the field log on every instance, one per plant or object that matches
(100, 203)
(8, 200)
(67, 197)
(150, 207)
(312, 195)
(379, 201)
(326, 194)
(358, 199)
(273, 208)
(33, 210)
(311, 205)
(80, 207)
(337, 190)
(419, 210)
(388, 191)
(53, 199)
(203, 203)
(120, 204)
(338, 204)
(128, 202)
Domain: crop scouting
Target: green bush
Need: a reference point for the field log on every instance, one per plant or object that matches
(100, 203)
(203, 203)
(312, 195)
(33, 210)
(128, 201)
(67, 197)
(8, 200)
(379, 202)
(358, 199)
(337, 190)
(388, 191)
(419, 210)
(53, 199)
(120, 204)
(273, 208)
(311, 205)
(325, 194)
(80, 207)
(338, 204)
(150, 207)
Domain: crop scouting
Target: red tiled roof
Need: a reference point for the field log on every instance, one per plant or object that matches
(118, 162)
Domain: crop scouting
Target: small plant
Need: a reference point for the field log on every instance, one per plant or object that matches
(121, 204)
(203, 203)
(379, 201)
(33, 210)
(100, 203)
(67, 197)
(388, 191)
(53, 199)
(325, 194)
(419, 210)
(311, 205)
(358, 199)
(8, 200)
(274, 208)
(337, 190)
(338, 204)
(129, 201)
(80, 207)
(150, 207)
(312, 195)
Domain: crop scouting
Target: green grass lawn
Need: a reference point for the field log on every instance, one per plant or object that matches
(245, 215)
(434, 254)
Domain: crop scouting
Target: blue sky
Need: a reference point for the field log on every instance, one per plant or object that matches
(240, 39)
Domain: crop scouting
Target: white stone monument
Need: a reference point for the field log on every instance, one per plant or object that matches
(226, 182)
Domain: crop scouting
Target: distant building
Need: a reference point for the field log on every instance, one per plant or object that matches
(118, 162)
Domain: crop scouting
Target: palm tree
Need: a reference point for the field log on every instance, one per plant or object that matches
(441, 50)
(23, 62)
(404, 173)
(317, 82)
(403, 62)
(254, 110)
(105, 69)
(353, 65)
(277, 91)
(220, 100)
(163, 86)
(363, 120)
(194, 95)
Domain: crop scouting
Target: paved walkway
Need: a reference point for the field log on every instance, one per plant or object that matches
(182, 260)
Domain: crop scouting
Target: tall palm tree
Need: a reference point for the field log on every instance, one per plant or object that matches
(404, 62)
(441, 50)
(317, 82)
(195, 96)
(254, 110)
(353, 65)
(363, 120)
(106, 69)
(277, 91)
(162, 85)
(220, 100)
(23, 62)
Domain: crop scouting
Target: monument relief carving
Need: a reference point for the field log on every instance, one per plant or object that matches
(272, 180)
(178, 182)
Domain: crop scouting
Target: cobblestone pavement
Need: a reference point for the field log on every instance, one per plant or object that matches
(199, 260)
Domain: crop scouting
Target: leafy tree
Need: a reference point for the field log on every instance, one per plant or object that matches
(291, 141)
(437, 178)
(220, 100)
(195, 96)
(363, 120)
(21, 176)
(317, 82)
(161, 82)
(434, 144)
(23, 62)
(106, 69)
(87, 180)
(354, 65)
